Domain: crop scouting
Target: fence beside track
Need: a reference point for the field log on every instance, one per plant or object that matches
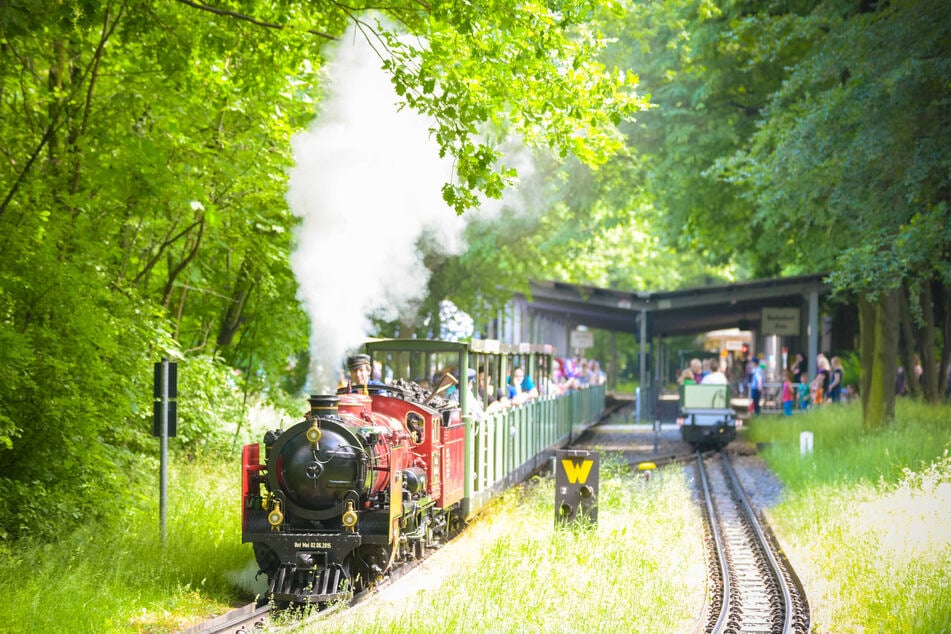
(508, 446)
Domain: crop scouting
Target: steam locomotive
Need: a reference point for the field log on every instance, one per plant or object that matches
(374, 478)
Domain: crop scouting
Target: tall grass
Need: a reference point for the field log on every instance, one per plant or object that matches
(866, 520)
(117, 577)
(640, 569)
(867, 515)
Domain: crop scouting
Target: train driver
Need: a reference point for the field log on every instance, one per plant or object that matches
(360, 372)
(359, 367)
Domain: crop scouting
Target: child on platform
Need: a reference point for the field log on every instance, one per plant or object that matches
(788, 395)
(805, 393)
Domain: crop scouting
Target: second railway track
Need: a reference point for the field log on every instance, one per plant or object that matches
(752, 587)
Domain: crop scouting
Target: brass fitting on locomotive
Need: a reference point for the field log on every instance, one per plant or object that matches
(350, 517)
(313, 434)
(321, 405)
(276, 516)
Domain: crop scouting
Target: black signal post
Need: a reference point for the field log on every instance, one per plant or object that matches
(164, 424)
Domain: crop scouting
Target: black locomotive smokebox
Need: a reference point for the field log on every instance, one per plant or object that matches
(319, 479)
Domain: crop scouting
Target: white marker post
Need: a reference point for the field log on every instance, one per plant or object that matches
(805, 443)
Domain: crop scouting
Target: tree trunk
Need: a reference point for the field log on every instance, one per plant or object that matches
(233, 316)
(926, 337)
(879, 336)
(908, 342)
(866, 350)
(945, 302)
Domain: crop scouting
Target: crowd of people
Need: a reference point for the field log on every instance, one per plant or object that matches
(827, 386)
(520, 388)
(797, 390)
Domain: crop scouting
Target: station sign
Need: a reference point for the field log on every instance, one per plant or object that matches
(780, 321)
(582, 339)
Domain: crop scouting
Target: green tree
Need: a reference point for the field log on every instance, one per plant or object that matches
(709, 68)
(852, 160)
(142, 211)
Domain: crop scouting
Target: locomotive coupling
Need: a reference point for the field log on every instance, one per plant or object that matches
(349, 518)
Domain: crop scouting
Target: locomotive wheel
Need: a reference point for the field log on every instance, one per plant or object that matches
(267, 559)
(368, 564)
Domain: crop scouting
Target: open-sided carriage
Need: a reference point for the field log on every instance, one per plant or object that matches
(706, 419)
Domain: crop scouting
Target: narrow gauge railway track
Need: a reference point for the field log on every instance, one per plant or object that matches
(252, 618)
(244, 620)
(753, 587)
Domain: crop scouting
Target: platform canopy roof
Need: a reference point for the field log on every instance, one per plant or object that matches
(670, 313)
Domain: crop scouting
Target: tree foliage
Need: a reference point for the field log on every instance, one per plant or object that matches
(142, 198)
(852, 159)
(806, 136)
(147, 145)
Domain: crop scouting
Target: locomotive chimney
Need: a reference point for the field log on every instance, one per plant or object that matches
(323, 405)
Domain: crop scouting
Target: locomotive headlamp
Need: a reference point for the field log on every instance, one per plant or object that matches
(313, 434)
(349, 518)
(276, 517)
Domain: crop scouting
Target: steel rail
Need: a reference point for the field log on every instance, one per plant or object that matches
(718, 540)
(775, 567)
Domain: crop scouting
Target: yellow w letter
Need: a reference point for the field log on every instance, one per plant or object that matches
(577, 473)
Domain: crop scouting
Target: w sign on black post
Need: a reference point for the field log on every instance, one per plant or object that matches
(165, 406)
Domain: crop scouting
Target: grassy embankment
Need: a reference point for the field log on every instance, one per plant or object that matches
(641, 569)
(118, 577)
(519, 572)
(866, 518)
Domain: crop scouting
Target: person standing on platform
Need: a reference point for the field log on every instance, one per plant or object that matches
(798, 367)
(822, 380)
(835, 383)
(805, 392)
(788, 395)
(757, 383)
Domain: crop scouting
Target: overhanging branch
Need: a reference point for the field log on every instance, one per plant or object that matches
(247, 18)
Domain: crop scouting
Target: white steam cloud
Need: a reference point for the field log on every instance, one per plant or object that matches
(366, 183)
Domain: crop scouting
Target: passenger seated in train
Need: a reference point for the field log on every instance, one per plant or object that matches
(521, 387)
(494, 400)
(558, 382)
(476, 409)
(717, 376)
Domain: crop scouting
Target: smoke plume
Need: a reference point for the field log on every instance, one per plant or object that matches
(366, 183)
